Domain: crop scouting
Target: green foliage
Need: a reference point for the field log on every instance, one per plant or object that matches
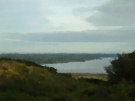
(122, 69)
(20, 81)
(52, 70)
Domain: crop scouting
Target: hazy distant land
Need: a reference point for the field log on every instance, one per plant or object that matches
(56, 57)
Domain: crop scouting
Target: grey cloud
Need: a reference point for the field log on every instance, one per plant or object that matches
(86, 36)
(115, 13)
(83, 10)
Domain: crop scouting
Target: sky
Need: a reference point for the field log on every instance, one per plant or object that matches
(67, 26)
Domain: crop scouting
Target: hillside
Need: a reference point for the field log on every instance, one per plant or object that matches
(55, 57)
(26, 81)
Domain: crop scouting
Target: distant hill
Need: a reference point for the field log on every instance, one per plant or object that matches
(55, 58)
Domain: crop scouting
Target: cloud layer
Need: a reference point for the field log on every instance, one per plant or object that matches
(114, 13)
(30, 25)
(82, 36)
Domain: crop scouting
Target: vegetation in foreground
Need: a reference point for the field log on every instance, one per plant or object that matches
(27, 81)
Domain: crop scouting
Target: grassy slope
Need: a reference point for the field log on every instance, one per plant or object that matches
(22, 81)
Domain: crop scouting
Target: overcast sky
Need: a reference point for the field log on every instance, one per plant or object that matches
(74, 26)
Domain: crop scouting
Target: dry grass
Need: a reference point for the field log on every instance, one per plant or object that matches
(90, 76)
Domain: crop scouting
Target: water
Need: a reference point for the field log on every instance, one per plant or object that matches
(92, 66)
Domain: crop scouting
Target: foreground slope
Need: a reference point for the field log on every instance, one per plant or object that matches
(26, 81)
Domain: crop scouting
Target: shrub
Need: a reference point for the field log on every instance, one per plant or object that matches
(122, 68)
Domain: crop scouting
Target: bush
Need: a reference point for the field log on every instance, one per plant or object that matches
(51, 69)
(122, 69)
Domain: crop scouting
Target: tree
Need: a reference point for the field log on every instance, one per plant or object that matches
(122, 68)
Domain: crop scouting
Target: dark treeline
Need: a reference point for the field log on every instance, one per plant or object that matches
(55, 58)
